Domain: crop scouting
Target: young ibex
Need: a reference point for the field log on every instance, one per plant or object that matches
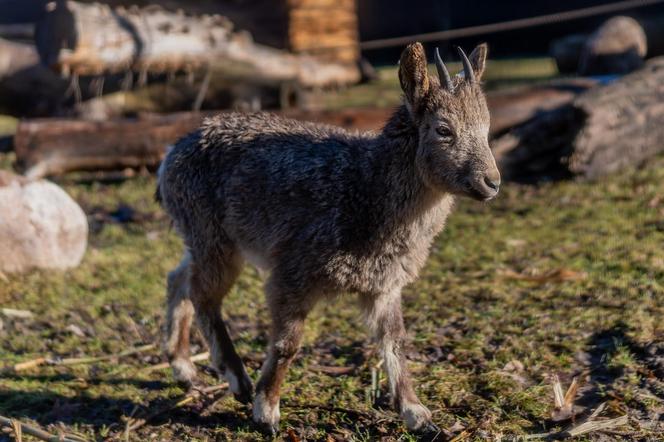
(323, 211)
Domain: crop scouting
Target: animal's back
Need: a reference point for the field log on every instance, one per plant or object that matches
(262, 180)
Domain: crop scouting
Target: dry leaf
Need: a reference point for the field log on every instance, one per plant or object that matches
(564, 408)
(292, 437)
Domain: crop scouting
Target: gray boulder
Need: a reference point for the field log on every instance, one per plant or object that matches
(40, 226)
(617, 47)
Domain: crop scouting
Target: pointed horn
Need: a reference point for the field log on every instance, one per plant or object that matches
(467, 68)
(443, 73)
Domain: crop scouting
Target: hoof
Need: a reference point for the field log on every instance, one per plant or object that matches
(245, 397)
(242, 388)
(268, 429)
(266, 415)
(429, 429)
(417, 418)
(184, 372)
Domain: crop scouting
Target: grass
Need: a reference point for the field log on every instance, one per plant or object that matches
(469, 317)
(385, 92)
(563, 278)
(7, 125)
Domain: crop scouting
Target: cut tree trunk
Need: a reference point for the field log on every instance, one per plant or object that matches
(512, 107)
(602, 131)
(15, 57)
(55, 146)
(93, 39)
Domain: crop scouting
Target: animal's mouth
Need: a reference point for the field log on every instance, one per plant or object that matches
(484, 194)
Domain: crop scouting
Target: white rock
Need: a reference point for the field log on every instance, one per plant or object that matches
(40, 226)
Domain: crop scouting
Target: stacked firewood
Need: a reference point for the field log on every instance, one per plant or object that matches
(327, 29)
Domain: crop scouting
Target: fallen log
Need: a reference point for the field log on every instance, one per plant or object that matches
(93, 39)
(56, 146)
(601, 131)
(46, 147)
(15, 57)
(513, 107)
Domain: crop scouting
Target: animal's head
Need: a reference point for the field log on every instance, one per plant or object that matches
(452, 119)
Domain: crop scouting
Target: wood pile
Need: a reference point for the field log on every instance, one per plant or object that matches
(54, 146)
(326, 29)
(93, 39)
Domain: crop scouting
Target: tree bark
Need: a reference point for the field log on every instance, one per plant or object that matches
(15, 57)
(55, 146)
(93, 39)
(602, 131)
(512, 107)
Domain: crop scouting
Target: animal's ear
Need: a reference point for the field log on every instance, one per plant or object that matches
(413, 74)
(478, 59)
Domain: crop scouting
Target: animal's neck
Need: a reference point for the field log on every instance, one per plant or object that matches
(405, 196)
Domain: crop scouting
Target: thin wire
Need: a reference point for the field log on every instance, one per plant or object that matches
(508, 25)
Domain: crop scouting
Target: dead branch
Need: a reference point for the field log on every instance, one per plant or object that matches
(20, 427)
(79, 361)
(196, 358)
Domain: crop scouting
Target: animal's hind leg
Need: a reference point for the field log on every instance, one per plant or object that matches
(289, 306)
(180, 312)
(211, 278)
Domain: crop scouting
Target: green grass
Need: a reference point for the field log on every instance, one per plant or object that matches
(482, 308)
(468, 318)
(7, 125)
(385, 91)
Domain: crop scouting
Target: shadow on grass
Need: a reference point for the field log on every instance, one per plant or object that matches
(98, 411)
(602, 376)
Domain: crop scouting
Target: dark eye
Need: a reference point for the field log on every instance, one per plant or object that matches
(445, 133)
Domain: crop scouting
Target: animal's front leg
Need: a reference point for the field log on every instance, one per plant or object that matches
(386, 321)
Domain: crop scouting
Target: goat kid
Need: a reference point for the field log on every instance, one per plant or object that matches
(322, 211)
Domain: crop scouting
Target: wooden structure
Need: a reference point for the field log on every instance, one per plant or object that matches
(93, 39)
(326, 29)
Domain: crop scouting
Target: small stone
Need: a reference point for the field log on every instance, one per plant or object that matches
(514, 366)
(75, 330)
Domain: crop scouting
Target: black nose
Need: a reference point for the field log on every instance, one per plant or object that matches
(492, 184)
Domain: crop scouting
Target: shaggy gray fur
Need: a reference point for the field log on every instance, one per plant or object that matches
(323, 211)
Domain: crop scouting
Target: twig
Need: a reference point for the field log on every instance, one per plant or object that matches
(77, 361)
(460, 436)
(21, 366)
(589, 425)
(90, 360)
(202, 91)
(20, 428)
(134, 424)
(14, 313)
(332, 370)
(164, 365)
(18, 431)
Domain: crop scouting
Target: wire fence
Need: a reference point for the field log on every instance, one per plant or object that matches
(510, 25)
